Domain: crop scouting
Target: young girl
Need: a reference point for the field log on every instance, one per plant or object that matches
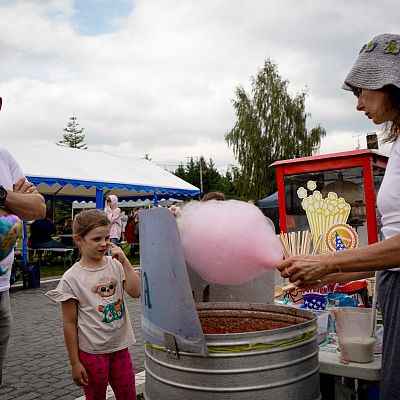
(97, 328)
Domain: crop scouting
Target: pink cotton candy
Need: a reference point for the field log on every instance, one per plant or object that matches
(228, 242)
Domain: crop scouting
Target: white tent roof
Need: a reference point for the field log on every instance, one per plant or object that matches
(75, 174)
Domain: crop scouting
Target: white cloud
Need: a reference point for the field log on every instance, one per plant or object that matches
(164, 81)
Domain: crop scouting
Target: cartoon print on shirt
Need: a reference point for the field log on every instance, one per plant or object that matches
(112, 309)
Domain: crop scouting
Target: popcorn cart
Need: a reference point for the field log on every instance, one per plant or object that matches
(332, 193)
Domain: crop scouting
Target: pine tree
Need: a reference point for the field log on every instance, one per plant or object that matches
(73, 136)
(147, 156)
(212, 179)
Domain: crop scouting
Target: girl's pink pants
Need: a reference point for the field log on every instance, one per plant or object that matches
(114, 368)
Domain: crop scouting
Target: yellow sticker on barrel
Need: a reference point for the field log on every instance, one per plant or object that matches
(346, 233)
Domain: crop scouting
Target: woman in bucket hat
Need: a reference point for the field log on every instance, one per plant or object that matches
(375, 81)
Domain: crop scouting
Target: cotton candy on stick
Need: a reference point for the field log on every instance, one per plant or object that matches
(228, 242)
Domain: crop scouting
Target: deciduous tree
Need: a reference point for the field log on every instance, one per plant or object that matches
(270, 125)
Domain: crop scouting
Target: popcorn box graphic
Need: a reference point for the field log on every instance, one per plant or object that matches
(322, 213)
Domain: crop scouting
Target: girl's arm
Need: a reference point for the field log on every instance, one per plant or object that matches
(132, 280)
(70, 319)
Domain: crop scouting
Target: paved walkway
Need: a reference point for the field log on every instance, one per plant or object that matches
(37, 365)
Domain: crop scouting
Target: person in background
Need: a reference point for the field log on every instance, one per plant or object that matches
(42, 232)
(68, 240)
(124, 221)
(67, 230)
(213, 196)
(175, 209)
(135, 212)
(21, 198)
(137, 220)
(375, 81)
(97, 327)
(130, 234)
(114, 215)
(41, 237)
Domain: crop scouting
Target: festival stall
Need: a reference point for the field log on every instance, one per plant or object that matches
(330, 201)
(331, 192)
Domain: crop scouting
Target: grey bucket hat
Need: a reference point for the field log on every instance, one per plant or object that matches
(377, 65)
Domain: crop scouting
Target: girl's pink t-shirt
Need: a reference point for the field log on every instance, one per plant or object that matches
(104, 325)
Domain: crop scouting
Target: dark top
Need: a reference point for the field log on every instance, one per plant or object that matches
(42, 231)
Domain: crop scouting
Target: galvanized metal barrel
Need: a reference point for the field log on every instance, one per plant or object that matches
(274, 364)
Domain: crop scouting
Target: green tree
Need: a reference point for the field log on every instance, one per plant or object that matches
(270, 125)
(212, 179)
(227, 184)
(180, 171)
(211, 176)
(73, 136)
(63, 211)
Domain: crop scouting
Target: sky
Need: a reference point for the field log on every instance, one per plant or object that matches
(158, 77)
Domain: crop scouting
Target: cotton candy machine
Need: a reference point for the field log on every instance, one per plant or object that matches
(217, 350)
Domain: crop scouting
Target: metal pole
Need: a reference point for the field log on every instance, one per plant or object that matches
(99, 199)
(201, 176)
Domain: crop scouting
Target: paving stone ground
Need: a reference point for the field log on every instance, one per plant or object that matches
(37, 365)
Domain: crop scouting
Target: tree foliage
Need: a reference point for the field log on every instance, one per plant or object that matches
(63, 211)
(212, 179)
(73, 135)
(270, 125)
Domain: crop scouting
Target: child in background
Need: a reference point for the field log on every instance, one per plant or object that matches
(114, 215)
(97, 328)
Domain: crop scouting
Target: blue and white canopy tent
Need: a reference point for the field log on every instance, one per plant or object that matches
(69, 174)
(84, 175)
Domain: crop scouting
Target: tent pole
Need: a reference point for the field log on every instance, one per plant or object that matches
(24, 245)
(99, 199)
(155, 200)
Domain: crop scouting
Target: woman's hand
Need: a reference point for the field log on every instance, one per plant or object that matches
(306, 270)
(79, 374)
(117, 253)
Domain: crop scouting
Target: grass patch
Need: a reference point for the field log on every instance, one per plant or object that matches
(56, 267)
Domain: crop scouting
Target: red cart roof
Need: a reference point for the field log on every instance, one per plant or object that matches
(343, 154)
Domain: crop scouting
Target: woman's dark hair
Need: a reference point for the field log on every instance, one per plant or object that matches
(392, 129)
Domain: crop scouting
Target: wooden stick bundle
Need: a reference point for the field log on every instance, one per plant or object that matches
(300, 242)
